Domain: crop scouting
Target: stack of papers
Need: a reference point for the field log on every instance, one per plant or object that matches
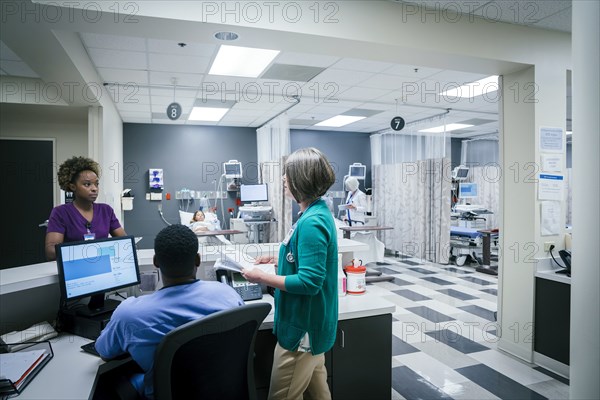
(17, 366)
(236, 261)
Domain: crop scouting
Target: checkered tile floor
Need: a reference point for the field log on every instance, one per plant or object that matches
(444, 337)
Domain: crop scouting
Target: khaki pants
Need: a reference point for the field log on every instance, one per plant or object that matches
(298, 375)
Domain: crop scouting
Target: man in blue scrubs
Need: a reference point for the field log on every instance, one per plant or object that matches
(138, 324)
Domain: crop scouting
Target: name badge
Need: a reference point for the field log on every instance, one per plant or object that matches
(89, 236)
(287, 238)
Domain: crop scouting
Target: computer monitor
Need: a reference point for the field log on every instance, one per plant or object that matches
(94, 267)
(232, 169)
(460, 173)
(357, 170)
(254, 193)
(467, 190)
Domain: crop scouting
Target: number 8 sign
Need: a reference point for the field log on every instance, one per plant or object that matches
(174, 111)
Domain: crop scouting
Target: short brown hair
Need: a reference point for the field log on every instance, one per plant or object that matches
(309, 174)
(70, 169)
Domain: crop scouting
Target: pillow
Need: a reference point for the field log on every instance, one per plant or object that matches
(185, 217)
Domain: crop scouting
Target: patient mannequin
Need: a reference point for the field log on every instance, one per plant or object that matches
(198, 224)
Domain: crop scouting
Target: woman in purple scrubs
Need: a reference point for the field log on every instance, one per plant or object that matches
(82, 219)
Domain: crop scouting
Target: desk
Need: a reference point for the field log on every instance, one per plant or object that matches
(71, 374)
(349, 229)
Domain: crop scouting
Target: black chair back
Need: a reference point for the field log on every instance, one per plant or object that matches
(211, 358)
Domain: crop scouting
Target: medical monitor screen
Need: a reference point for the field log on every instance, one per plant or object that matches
(233, 169)
(253, 193)
(96, 266)
(467, 190)
(358, 171)
(461, 173)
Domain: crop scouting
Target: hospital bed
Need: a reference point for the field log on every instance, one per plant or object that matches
(214, 225)
(466, 244)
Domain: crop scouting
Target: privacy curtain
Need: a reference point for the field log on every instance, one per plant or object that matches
(481, 156)
(273, 144)
(411, 180)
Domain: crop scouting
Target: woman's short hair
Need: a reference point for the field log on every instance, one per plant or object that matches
(70, 169)
(351, 183)
(176, 247)
(309, 174)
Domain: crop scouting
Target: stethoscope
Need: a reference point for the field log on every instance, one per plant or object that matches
(290, 256)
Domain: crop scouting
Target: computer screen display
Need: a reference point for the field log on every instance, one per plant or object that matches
(254, 193)
(97, 266)
(467, 190)
(233, 169)
(461, 173)
(359, 171)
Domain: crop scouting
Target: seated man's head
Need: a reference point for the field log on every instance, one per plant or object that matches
(176, 253)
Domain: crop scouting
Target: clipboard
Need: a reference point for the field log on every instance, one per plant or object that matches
(8, 387)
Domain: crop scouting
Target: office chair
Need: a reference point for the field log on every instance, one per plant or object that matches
(211, 358)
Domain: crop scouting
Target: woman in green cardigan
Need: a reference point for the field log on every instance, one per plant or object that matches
(306, 299)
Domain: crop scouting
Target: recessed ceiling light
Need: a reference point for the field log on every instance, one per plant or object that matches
(474, 89)
(241, 61)
(339, 120)
(445, 128)
(211, 114)
(569, 133)
(227, 36)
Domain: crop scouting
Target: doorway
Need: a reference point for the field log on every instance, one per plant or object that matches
(26, 199)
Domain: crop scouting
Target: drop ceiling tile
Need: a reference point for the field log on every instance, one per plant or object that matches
(338, 76)
(560, 21)
(408, 71)
(290, 72)
(113, 75)
(187, 64)
(362, 94)
(384, 81)
(168, 92)
(190, 49)
(310, 60)
(182, 79)
(135, 114)
(137, 120)
(354, 64)
(107, 58)
(127, 107)
(455, 78)
(113, 42)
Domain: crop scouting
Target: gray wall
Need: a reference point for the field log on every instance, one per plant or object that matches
(192, 157)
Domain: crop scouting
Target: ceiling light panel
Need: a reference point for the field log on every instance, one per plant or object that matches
(485, 86)
(242, 61)
(207, 114)
(339, 120)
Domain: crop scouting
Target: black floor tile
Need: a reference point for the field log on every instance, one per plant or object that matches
(400, 347)
(458, 271)
(439, 281)
(553, 375)
(387, 271)
(456, 341)
(401, 282)
(409, 294)
(497, 384)
(477, 280)
(409, 262)
(479, 311)
(457, 294)
(430, 314)
(411, 385)
(382, 263)
(423, 271)
(490, 291)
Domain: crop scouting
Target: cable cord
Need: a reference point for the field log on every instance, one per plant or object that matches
(552, 255)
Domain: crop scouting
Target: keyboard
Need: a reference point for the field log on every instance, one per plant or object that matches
(90, 348)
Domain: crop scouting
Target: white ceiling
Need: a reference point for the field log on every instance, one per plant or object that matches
(140, 72)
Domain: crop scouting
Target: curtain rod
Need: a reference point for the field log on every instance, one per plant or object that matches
(295, 97)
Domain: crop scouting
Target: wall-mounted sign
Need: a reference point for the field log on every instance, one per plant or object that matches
(397, 123)
(174, 111)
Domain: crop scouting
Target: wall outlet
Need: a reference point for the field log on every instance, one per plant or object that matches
(155, 196)
(547, 246)
(147, 196)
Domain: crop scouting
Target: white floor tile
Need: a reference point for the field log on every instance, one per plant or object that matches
(431, 369)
